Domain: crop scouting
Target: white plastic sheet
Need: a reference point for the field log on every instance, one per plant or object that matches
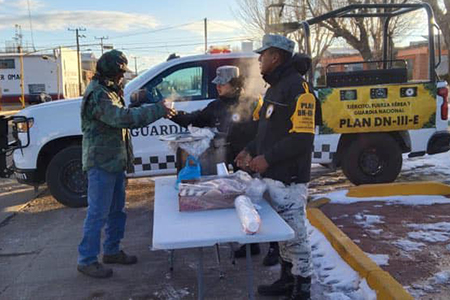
(197, 146)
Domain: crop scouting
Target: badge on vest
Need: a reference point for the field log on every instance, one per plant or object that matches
(303, 119)
(269, 110)
(236, 117)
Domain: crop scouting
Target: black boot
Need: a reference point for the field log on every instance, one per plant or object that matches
(282, 286)
(301, 289)
(273, 255)
(254, 250)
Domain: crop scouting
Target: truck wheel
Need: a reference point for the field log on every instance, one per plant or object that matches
(65, 178)
(372, 158)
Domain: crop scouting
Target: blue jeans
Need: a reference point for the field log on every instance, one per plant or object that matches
(106, 199)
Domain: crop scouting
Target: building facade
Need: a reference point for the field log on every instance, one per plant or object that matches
(55, 75)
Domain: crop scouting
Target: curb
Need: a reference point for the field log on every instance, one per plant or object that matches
(385, 286)
(399, 189)
(7, 113)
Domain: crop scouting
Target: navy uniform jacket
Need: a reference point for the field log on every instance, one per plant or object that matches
(231, 116)
(287, 153)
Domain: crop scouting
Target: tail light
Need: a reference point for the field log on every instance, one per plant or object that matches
(443, 92)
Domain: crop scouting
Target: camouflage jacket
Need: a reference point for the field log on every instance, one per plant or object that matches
(105, 121)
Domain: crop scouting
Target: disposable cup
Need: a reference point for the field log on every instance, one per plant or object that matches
(221, 169)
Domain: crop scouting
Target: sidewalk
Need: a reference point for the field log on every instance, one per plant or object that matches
(8, 109)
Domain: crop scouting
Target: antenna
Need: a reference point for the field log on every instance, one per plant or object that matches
(31, 25)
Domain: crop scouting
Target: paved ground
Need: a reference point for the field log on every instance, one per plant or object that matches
(38, 258)
(38, 253)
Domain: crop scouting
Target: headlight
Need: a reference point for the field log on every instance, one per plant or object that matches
(22, 125)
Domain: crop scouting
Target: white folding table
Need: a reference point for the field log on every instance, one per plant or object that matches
(173, 229)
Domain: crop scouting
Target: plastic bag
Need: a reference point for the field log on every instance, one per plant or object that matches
(202, 138)
(191, 170)
(247, 214)
(255, 190)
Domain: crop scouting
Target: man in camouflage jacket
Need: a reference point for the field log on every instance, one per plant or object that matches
(107, 153)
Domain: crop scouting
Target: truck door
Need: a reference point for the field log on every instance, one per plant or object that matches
(187, 86)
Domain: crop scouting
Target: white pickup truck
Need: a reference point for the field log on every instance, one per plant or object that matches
(46, 144)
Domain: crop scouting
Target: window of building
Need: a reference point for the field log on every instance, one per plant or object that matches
(7, 64)
(36, 88)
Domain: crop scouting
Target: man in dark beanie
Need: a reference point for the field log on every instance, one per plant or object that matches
(107, 154)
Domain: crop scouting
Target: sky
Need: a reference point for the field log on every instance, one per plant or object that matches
(149, 30)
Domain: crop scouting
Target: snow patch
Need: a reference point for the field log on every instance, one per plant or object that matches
(408, 245)
(339, 197)
(169, 292)
(333, 278)
(442, 277)
(379, 259)
(431, 232)
(367, 221)
(429, 236)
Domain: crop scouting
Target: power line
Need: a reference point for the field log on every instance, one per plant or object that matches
(187, 44)
(153, 31)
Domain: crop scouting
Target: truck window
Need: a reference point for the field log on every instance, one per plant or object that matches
(181, 84)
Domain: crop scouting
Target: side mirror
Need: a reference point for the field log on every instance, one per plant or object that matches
(137, 98)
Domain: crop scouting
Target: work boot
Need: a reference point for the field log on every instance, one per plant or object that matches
(120, 258)
(96, 270)
(254, 250)
(281, 287)
(301, 289)
(272, 257)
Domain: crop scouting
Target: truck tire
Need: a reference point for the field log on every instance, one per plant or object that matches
(65, 178)
(372, 158)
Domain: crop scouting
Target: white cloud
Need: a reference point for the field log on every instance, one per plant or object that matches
(214, 27)
(61, 20)
(23, 4)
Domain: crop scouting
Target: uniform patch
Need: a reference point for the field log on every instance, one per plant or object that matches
(236, 117)
(269, 110)
(258, 107)
(303, 119)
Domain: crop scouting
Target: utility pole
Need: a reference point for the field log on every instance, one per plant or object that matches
(22, 83)
(101, 41)
(135, 65)
(206, 34)
(80, 89)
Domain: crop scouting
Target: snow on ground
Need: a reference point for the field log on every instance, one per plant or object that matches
(428, 164)
(408, 245)
(341, 198)
(379, 259)
(429, 286)
(333, 278)
(367, 221)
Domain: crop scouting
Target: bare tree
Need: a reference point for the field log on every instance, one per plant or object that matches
(442, 16)
(252, 14)
(363, 34)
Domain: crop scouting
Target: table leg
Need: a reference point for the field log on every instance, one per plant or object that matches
(171, 259)
(221, 274)
(251, 295)
(200, 274)
(232, 258)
